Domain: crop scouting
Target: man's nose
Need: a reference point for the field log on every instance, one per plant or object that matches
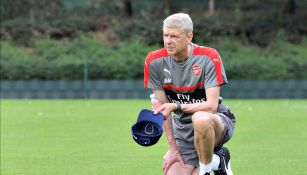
(167, 39)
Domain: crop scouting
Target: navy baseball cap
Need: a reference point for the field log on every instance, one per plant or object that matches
(148, 128)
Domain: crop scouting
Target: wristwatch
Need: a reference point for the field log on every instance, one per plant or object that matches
(178, 108)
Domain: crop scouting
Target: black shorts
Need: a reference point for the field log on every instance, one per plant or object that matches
(184, 130)
(229, 121)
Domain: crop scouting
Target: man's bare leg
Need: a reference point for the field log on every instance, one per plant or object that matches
(177, 169)
(208, 130)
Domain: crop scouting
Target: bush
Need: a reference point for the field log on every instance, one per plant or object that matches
(17, 63)
(65, 59)
(147, 31)
(24, 31)
(280, 60)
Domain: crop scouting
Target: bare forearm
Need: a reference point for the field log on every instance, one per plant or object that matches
(210, 105)
(204, 106)
(167, 124)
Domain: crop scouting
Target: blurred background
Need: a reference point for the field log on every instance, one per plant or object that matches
(96, 48)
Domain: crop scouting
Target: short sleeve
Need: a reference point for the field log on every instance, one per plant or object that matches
(151, 72)
(214, 70)
(154, 81)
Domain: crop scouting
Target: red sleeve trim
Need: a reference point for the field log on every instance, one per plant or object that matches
(150, 57)
(214, 57)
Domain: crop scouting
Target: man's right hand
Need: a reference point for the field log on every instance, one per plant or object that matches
(166, 109)
(170, 157)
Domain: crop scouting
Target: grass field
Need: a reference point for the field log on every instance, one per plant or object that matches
(92, 137)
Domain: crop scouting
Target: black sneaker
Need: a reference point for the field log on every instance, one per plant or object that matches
(224, 167)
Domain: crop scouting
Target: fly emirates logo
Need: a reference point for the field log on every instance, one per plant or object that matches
(185, 99)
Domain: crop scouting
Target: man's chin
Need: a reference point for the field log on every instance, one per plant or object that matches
(170, 52)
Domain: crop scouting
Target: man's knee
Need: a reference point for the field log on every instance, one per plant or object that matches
(203, 121)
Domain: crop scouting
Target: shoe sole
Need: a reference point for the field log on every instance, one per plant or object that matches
(228, 170)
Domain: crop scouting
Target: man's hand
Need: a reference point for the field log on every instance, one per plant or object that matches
(170, 157)
(166, 109)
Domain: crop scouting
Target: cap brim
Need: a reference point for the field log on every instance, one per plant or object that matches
(148, 115)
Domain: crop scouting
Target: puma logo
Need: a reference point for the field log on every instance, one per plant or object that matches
(165, 70)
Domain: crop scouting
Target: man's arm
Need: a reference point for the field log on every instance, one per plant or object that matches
(167, 125)
(173, 154)
(210, 105)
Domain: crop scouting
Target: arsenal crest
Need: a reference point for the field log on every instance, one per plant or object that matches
(196, 70)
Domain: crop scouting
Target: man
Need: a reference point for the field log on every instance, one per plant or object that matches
(186, 79)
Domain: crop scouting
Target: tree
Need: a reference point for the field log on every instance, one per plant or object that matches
(170, 7)
(211, 6)
(289, 7)
(128, 8)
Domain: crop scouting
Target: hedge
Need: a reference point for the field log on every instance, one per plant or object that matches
(65, 59)
(280, 60)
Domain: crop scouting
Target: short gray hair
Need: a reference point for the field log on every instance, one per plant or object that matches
(179, 20)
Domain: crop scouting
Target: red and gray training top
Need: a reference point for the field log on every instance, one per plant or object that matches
(184, 82)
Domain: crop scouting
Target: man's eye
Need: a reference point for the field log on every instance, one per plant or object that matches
(172, 36)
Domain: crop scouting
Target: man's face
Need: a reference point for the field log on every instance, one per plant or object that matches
(175, 40)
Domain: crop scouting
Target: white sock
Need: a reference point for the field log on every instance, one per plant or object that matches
(204, 168)
(215, 162)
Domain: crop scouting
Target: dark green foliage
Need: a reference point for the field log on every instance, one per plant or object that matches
(148, 31)
(280, 60)
(65, 59)
(43, 39)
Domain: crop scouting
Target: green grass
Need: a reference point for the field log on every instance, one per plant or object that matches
(78, 137)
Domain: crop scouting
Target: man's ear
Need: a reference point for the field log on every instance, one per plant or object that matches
(190, 36)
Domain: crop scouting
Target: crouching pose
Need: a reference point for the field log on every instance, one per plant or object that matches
(186, 79)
